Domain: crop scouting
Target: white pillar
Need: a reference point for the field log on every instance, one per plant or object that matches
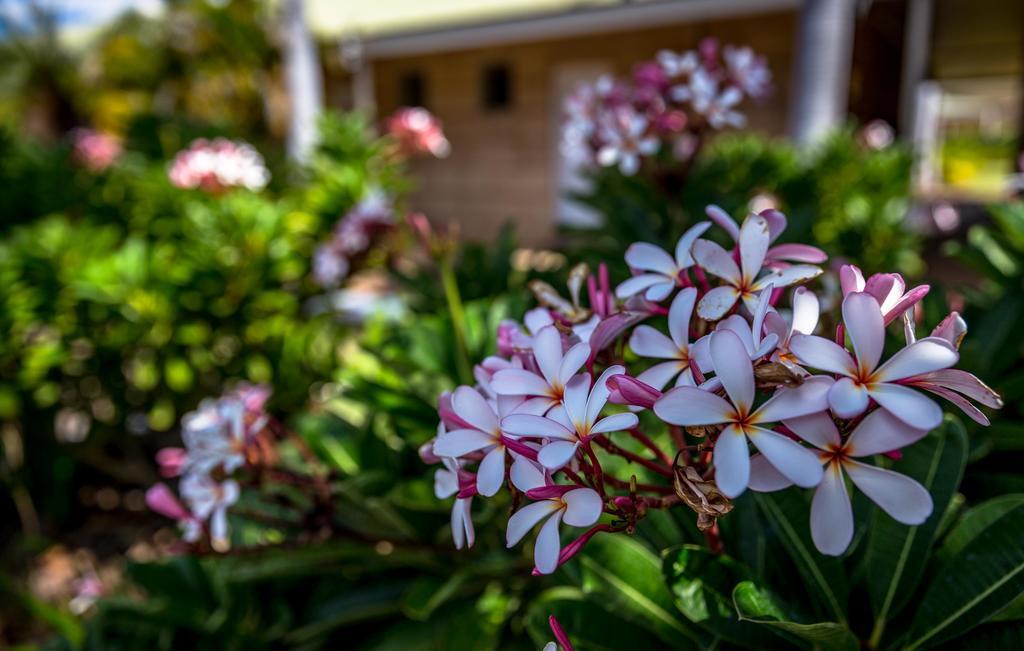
(364, 93)
(304, 81)
(916, 51)
(822, 68)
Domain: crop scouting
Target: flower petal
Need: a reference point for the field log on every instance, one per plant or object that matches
(799, 464)
(900, 496)
(831, 514)
(648, 257)
(792, 275)
(574, 359)
(754, 240)
(547, 350)
(490, 475)
(724, 221)
(583, 507)
(864, 324)
(471, 407)
(600, 393)
(530, 425)
(661, 374)
(717, 302)
(922, 356)
(648, 342)
(808, 398)
(527, 518)
(638, 284)
(823, 354)
(690, 406)
(908, 405)
(658, 293)
(764, 478)
(575, 400)
(459, 442)
(732, 461)
(679, 317)
(519, 382)
(462, 523)
(797, 253)
(548, 545)
(806, 311)
(556, 454)
(615, 423)
(880, 432)
(965, 383)
(732, 365)
(848, 398)
(716, 261)
(525, 474)
(684, 247)
(817, 429)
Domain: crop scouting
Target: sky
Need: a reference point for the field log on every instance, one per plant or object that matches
(77, 13)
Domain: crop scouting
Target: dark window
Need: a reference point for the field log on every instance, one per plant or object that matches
(412, 89)
(497, 87)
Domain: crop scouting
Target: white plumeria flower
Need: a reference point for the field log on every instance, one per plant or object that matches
(446, 484)
(904, 499)
(573, 425)
(483, 435)
(691, 406)
(743, 281)
(555, 367)
(625, 142)
(863, 379)
(577, 507)
(804, 320)
(751, 333)
(747, 70)
(210, 500)
(677, 65)
(648, 342)
(776, 254)
(214, 435)
(662, 269)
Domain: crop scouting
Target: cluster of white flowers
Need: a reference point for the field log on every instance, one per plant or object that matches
(667, 105)
(217, 438)
(539, 418)
(352, 237)
(218, 165)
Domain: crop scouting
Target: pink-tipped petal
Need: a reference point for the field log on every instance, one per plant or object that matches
(459, 442)
(900, 496)
(820, 353)
(797, 253)
(600, 393)
(848, 398)
(776, 222)
(491, 473)
(806, 311)
(799, 464)
(792, 275)
(963, 403)
(851, 279)
(962, 382)
(638, 284)
(557, 454)
(716, 261)
(547, 350)
(615, 423)
(574, 359)
(548, 545)
(863, 323)
(754, 240)
(526, 475)
(764, 478)
(831, 514)
(575, 400)
(684, 247)
(530, 425)
(908, 405)
(658, 293)
(526, 518)
(471, 407)
(724, 221)
(462, 523)
(808, 398)
(952, 329)
(648, 342)
(922, 356)
(660, 375)
(648, 257)
(732, 461)
(880, 432)
(583, 507)
(690, 406)
(679, 316)
(519, 382)
(817, 429)
(717, 302)
(732, 365)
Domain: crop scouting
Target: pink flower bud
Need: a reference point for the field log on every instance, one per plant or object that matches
(160, 499)
(171, 461)
(626, 390)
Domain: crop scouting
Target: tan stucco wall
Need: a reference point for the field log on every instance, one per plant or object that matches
(502, 165)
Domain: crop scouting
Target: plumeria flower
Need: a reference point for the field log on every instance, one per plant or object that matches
(690, 406)
(447, 482)
(662, 270)
(214, 435)
(160, 499)
(777, 255)
(624, 141)
(577, 507)
(806, 310)
(743, 281)
(677, 65)
(705, 95)
(512, 338)
(862, 378)
(483, 434)
(648, 342)
(955, 385)
(747, 70)
(575, 424)
(889, 290)
(751, 333)
(208, 499)
(556, 368)
(904, 499)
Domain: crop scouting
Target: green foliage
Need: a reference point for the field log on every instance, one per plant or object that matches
(851, 201)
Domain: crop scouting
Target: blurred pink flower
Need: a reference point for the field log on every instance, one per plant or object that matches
(417, 132)
(95, 150)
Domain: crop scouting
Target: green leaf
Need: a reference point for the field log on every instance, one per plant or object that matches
(702, 584)
(589, 623)
(428, 593)
(355, 606)
(976, 583)
(626, 575)
(976, 520)
(789, 514)
(757, 606)
(896, 553)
